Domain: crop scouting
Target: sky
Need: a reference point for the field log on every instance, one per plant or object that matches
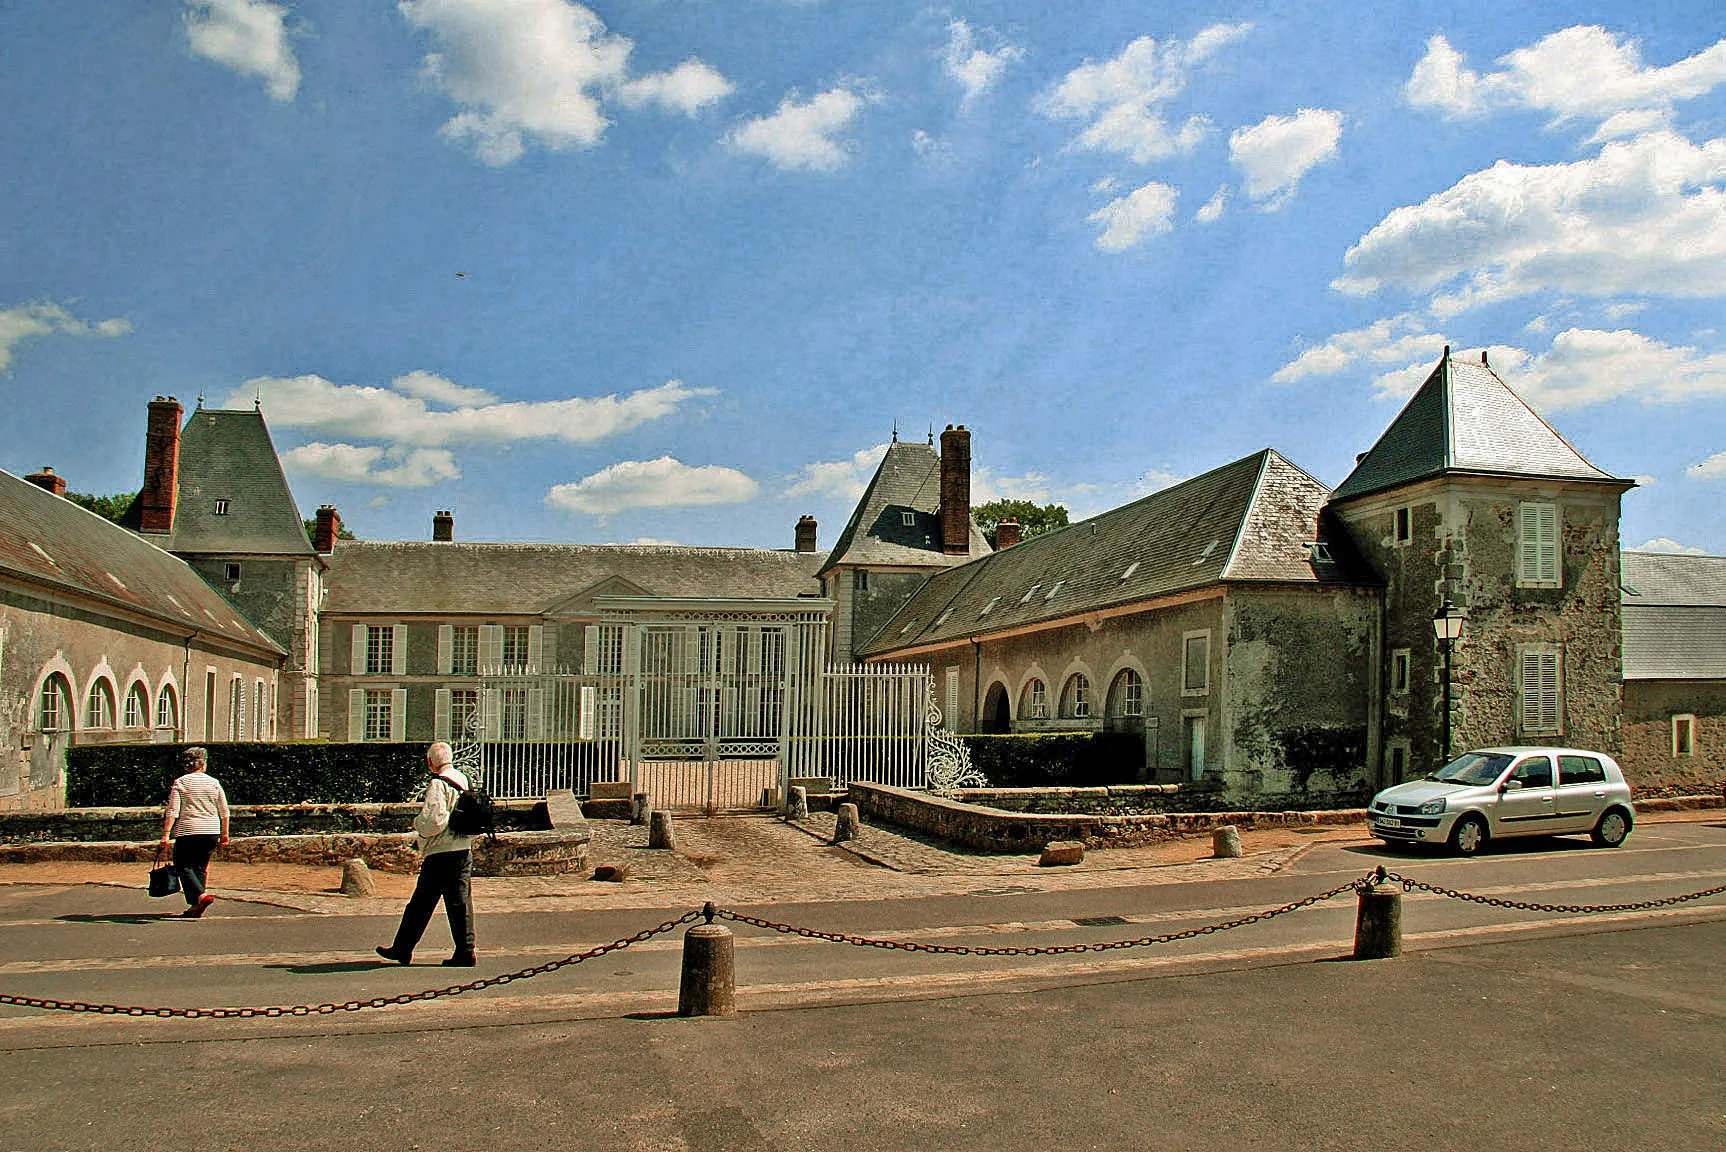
(677, 270)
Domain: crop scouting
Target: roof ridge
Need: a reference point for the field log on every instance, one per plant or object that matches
(1264, 455)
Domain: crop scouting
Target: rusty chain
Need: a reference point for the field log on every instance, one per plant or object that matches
(1409, 884)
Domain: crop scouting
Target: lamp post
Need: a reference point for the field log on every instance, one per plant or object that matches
(1447, 626)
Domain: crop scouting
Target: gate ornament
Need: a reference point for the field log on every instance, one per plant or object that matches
(950, 766)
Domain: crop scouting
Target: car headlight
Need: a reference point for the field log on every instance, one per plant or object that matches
(1432, 807)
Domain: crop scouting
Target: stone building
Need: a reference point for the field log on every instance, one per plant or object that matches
(1675, 670)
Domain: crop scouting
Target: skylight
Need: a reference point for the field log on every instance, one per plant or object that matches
(1030, 592)
(989, 607)
(945, 615)
(1131, 568)
(1056, 587)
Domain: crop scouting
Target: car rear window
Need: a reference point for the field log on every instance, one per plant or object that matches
(1580, 770)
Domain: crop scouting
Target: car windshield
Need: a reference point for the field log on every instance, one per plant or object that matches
(1473, 768)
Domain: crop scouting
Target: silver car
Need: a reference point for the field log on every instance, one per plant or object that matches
(1496, 793)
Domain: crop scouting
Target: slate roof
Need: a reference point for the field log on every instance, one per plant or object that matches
(908, 480)
(1674, 616)
(408, 577)
(1465, 419)
(229, 456)
(48, 540)
(1249, 521)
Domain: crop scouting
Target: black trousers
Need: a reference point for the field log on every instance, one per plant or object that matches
(192, 861)
(443, 876)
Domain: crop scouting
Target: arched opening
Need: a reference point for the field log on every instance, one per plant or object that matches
(997, 712)
(54, 707)
(137, 711)
(1076, 697)
(1127, 696)
(99, 705)
(1034, 701)
(167, 708)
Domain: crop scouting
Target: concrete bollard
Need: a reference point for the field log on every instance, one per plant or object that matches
(709, 985)
(849, 824)
(1226, 842)
(639, 809)
(1378, 923)
(797, 807)
(357, 879)
(659, 833)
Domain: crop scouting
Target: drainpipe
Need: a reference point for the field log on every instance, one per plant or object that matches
(185, 673)
(976, 683)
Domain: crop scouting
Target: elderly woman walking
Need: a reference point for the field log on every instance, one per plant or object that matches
(197, 823)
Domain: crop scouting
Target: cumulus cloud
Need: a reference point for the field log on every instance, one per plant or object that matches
(249, 36)
(1583, 72)
(1713, 468)
(838, 479)
(370, 464)
(540, 71)
(1667, 544)
(801, 135)
(662, 483)
(1276, 152)
(1135, 217)
(441, 390)
(974, 68)
(1212, 210)
(1123, 98)
(23, 322)
(1392, 339)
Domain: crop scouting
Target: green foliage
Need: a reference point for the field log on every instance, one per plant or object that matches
(1034, 519)
(136, 775)
(107, 507)
(1058, 759)
(342, 532)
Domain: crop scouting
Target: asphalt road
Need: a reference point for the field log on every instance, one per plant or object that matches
(1498, 1028)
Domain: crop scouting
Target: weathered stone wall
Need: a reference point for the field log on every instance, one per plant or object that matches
(874, 606)
(1649, 765)
(281, 596)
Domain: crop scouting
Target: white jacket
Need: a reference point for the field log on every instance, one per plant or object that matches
(432, 824)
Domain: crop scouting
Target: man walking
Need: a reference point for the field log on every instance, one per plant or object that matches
(446, 867)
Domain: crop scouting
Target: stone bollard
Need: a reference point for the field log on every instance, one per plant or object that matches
(1226, 842)
(797, 808)
(1057, 853)
(659, 833)
(357, 879)
(709, 970)
(1378, 921)
(639, 810)
(849, 824)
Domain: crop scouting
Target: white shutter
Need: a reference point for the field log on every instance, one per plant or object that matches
(536, 713)
(398, 714)
(1537, 543)
(440, 714)
(357, 658)
(398, 649)
(445, 649)
(535, 648)
(590, 650)
(356, 715)
(952, 724)
(1540, 692)
(589, 703)
(490, 648)
(491, 706)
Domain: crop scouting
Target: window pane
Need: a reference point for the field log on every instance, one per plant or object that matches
(1197, 674)
(464, 650)
(380, 649)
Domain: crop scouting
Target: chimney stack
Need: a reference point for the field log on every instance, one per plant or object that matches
(329, 527)
(47, 481)
(806, 534)
(443, 527)
(1007, 534)
(161, 466)
(956, 491)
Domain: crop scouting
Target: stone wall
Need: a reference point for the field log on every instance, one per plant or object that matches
(1649, 764)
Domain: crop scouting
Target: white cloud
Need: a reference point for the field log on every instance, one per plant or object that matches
(29, 321)
(1276, 152)
(1589, 366)
(839, 479)
(1713, 468)
(654, 541)
(801, 136)
(976, 69)
(928, 146)
(369, 464)
(1583, 72)
(441, 390)
(1123, 98)
(1137, 216)
(539, 71)
(1212, 210)
(249, 36)
(661, 483)
(1666, 544)
(1644, 217)
(1381, 342)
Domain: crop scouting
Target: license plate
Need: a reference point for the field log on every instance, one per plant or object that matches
(1389, 822)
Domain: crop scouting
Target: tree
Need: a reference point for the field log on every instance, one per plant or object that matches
(1034, 519)
(107, 507)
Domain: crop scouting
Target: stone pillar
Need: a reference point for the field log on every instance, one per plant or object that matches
(357, 879)
(1226, 842)
(848, 825)
(659, 833)
(1378, 923)
(708, 987)
(639, 810)
(797, 806)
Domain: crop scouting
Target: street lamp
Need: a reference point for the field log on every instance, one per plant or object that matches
(1447, 626)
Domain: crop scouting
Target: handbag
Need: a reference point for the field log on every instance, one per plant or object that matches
(164, 878)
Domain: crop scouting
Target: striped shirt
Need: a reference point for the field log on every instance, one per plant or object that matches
(196, 806)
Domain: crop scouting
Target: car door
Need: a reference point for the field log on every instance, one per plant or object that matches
(1526, 804)
(1580, 796)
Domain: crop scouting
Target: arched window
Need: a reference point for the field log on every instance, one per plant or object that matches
(1127, 694)
(1034, 702)
(54, 710)
(137, 713)
(167, 708)
(1076, 697)
(99, 705)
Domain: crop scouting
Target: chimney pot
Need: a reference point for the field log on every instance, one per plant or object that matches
(443, 526)
(47, 481)
(1007, 533)
(329, 527)
(806, 534)
(956, 491)
(161, 491)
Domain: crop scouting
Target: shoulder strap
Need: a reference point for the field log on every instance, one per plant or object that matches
(451, 783)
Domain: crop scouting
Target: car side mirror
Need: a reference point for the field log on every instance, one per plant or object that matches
(1510, 785)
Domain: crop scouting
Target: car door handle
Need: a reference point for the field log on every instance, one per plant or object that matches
(1600, 795)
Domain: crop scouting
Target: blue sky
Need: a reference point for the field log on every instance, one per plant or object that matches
(674, 269)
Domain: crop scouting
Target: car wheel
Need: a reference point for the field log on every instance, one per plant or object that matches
(1614, 826)
(1469, 836)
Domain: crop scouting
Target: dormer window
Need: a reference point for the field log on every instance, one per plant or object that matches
(989, 607)
(1030, 592)
(1050, 595)
(1131, 568)
(221, 507)
(909, 519)
(1318, 551)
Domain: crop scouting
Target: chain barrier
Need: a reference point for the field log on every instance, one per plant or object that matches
(1409, 884)
(275, 1011)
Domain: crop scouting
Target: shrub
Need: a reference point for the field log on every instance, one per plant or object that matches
(1058, 759)
(138, 775)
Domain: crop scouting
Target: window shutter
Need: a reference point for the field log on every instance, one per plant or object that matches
(536, 713)
(1540, 698)
(490, 649)
(590, 652)
(398, 714)
(589, 704)
(491, 711)
(356, 715)
(445, 649)
(1537, 543)
(548, 649)
(952, 724)
(535, 647)
(440, 714)
(398, 649)
(357, 658)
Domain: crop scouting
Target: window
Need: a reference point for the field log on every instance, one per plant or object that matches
(1683, 736)
(1076, 697)
(989, 607)
(1127, 694)
(1580, 770)
(1399, 671)
(137, 714)
(464, 718)
(515, 638)
(908, 518)
(1540, 688)
(99, 705)
(1318, 551)
(378, 713)
(221, 507)
(1196, 663)
(1534, 772)
(380, 649)
(608, 649)
(233, 571)
(167, 708)
(1537, 544)
(464, 650)
(860, 580)
(236, 709)
(1404, 531)
(258, 729)
(1034, 702)
(54, 714)
(514, 714)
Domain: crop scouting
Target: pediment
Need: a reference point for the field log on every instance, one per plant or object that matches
(581, 603)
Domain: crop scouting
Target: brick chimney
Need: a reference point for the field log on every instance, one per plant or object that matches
(443, 527)
(1007, 534)
(47, 481)
(956, 491)
(161, 466)
(806, 534)
(329, 527)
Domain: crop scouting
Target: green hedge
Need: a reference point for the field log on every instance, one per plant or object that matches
(129, 775)
(1058, 759)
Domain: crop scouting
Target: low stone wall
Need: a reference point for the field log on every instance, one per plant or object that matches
(245, 820)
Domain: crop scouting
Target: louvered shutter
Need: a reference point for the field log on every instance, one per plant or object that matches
(590, 650)
(1537, 543)
(589, 703)
(548, 649)
(398, 649)
(536, 713)
(445, 649)
(356, 715)
(535, 648)
(357, 657)
(490, 650)
(491, 712)
(952, 724)
(1540, 696)
(440, 714)
(398, 714)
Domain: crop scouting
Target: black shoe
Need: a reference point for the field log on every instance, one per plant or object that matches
(392, 955)
(460, 960)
